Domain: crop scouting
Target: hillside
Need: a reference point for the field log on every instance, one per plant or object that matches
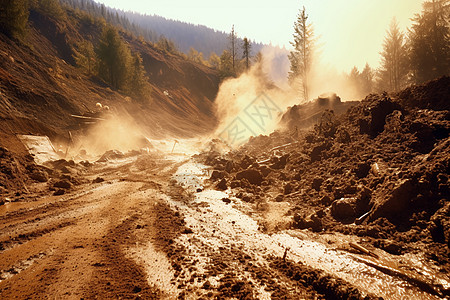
(41, 87)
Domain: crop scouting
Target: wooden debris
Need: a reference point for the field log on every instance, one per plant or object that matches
(363, 250)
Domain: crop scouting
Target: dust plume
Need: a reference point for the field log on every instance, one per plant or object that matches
(250, 105)
(253, 103)
(116, 131)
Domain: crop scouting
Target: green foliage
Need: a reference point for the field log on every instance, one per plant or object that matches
(301, 56)
(392, 75)
(138, 86)
(166, 45)
(196, 56)
(117, 66)
(214, 61)
(114, 58)
(226, 65)
(429, 40)
(84, 56)
(50, 8)
(14, 17)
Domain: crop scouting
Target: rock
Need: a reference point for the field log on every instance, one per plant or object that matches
(362, 170)
(64, 184)
(265, 170)
(325, 200)
(98, 180)
(59, 192)
(246, 162)
(222, 185)
(217, 175)
(288, 188)
(279, 198)
(235, 183)
(68, 170)
(111, 154)
(316, 184)
(252, 175)
(39, 175)
(397, 201)
(280, 163)
(226, 200)
(313, 222)
(377, 113)
(392, 247)
(343, 208)
(229, 166)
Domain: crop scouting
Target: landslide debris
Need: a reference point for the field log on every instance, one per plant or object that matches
(379, 171)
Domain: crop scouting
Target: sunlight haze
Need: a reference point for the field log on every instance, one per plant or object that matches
(350, 32)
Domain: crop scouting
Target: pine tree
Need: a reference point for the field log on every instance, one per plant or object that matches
(84, 56)
(301, 56)
(226, 65)
(138, 86)
(114, 58)
(366, 80)
(214, 61)
(429, 40)
(392, 75)
(233, 42)
(14, 17)
(246, 50)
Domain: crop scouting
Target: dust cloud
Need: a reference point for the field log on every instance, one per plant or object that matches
(115, 132)
(249, 105)
(241, 112)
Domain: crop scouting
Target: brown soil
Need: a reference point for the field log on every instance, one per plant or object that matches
(379, 171)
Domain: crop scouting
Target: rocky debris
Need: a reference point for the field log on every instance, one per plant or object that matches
(222, 185)
(343, 208)
(383, 165)
(375, 114)
(252, 175)
(217, 175)
(63, 184)
(111, 155)
(98, 180)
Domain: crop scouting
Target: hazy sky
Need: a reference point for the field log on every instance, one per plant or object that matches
(351, 31)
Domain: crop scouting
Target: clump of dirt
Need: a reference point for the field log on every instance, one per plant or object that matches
(381, 171)
(13, 172)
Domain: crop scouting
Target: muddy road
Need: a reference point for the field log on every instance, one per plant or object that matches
(151, 226)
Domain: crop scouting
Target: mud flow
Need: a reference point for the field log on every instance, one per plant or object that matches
(355, 207)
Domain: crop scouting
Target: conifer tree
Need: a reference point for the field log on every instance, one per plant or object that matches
(138, 86)
(84, 56)
(114, 58)
(429, 40)
(233, 42)
(246, 50)
(14, 17)
(392, 75)
(302, 55)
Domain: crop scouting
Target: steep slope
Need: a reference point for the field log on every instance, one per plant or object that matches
(40, 90)
(40, 87)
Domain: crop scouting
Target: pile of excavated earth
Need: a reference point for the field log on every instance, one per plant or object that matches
(379, 171)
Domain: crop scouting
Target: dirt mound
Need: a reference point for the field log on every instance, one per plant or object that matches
(381, 170)
(305, 115)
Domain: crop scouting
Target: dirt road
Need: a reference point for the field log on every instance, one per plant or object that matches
(154, 229)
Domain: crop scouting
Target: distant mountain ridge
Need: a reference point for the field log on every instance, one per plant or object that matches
(153, 27)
